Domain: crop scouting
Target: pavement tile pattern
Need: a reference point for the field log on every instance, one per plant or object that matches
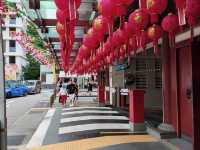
(87, 122)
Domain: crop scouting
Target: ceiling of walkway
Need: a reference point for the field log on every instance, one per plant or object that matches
(43, 13)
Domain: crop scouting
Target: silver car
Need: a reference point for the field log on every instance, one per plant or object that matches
(34, 86)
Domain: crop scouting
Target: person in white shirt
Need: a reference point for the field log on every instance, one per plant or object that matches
(63, 95)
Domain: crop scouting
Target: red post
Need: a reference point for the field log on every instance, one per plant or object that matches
(136, 110)
(101, 93)
(122, 101)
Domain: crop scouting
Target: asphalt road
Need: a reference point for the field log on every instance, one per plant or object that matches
(24, 115)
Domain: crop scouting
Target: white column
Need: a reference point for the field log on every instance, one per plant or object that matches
(110, 83)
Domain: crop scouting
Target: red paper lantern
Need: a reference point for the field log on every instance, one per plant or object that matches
(121, 37)
(61, 4)
(100, 24)
(85, 51)
(95, 36)
(107, 8)
(155, 33)
(139, 20)
(170, 24)
(60, 28)
(120, 10)
(64, 4)
(193, 11)
(127, 2)
(128, 30)
(62, 15)
(78, 3)
(155, 8)
(90, 39)
(122, 52)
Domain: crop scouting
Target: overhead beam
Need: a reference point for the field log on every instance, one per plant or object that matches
(58, 50)
(52, 22)
(56, 39)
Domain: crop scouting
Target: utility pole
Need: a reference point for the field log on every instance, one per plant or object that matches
(3, 120)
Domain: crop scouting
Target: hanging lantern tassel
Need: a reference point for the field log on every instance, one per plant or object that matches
(143, 41)
(156, 49)
(110, 27)
(133, 45)
(180, 5)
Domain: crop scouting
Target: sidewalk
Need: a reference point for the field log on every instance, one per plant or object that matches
(84, 128)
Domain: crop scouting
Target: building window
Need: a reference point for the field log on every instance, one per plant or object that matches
(141, 73)
(12, 21)
(12, 30)
(12, 46)
(4, 45)
(158, 74)
(12, 60)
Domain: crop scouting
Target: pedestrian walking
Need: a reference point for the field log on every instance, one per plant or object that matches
(71, 89)
(76, 91)
(63, 95)
(58, 87)
(90, 86)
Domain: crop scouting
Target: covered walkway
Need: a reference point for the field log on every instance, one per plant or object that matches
(144, 55)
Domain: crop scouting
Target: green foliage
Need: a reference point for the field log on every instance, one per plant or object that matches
(37, 40)
(32, 70)
(12, 7)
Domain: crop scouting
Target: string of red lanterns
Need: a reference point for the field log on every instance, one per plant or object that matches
(95, 54)
(67, 17)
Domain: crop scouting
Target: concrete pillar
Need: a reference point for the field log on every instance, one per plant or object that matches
(136, 110)
(166, 81)
(118, 97)
(111, 86)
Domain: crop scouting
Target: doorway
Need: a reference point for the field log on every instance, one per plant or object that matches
(184, 78)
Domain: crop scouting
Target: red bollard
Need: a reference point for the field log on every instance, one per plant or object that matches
(101, 93)
(122, 101)
(136, 110)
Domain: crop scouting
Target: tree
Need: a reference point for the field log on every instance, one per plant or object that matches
(32, 70)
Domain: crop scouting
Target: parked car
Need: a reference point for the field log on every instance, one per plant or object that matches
(12, 89)
(34, 86)
(24, 88)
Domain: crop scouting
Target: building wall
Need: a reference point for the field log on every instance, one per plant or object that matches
(145, 71)
(17, 51)
(178, 107)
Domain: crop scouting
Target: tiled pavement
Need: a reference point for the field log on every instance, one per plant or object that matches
(82, 122)
(87, 122)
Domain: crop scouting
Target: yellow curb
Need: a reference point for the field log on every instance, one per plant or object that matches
(99, 142)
